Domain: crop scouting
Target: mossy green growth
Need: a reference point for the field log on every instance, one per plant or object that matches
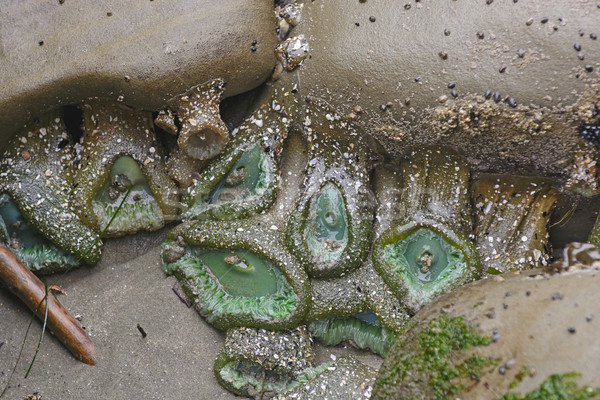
(364, 330)
(430, 363)
(558, 387)
(238, 274)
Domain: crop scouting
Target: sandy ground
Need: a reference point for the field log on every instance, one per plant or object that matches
(125, 289)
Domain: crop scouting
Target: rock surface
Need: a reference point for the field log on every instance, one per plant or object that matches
(397, 68)
(140, 52)
(537, 323)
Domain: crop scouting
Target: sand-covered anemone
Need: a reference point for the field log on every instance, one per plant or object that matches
(345, 378)
(330, 228)
(243, 180)
(34, 250)
(121, 168)
(259, 363)
(512, 214)
(35, 180)
(195, 118)
(238, 274)
(429, 252)
(356, 292)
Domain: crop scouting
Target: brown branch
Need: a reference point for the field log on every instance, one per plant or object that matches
(28, 287)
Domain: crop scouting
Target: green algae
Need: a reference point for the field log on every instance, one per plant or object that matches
(557, 387)
(430, 362)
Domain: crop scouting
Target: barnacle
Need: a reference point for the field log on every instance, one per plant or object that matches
(364, 330)
(330, 229)
(36, 180)
(121, 168)
(202, 133)
(512, 217)
(243, 180)
(259, 363)
(428, 252)
(238, 274)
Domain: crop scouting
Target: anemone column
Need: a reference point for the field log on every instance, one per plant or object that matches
(429, 252)
(121, 185)
(330, 229)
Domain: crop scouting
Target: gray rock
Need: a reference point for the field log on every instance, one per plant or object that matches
(140, 52)
(539, 325)
(383, 59)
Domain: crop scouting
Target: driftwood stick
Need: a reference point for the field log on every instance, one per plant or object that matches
(28, 287)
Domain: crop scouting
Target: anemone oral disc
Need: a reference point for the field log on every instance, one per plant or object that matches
(246, 178)
(326, 229)
(243, 273)
(127, 184)
(424, 261)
